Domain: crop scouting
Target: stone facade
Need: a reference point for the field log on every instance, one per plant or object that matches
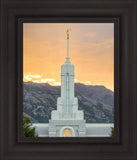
(58, 126)
(92, 129)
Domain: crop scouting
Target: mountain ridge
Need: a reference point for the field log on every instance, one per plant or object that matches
(39, 99)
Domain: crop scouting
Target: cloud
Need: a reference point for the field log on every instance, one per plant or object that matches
(57, 83)
(87, 82)
(35, 76)
(27, 78)
(47, 80)
(36, 81)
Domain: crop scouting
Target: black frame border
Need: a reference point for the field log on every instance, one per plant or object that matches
(124, 145)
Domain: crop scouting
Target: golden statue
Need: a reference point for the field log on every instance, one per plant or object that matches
(67, 33)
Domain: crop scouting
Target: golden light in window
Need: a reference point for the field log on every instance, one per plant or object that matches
(67, 132)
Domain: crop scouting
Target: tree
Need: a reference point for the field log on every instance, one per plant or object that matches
(28, 130)
(112, 132)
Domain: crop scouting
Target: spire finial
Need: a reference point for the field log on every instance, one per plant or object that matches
(67, 59)
(67, 33)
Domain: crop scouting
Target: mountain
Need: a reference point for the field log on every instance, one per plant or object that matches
(39, 100)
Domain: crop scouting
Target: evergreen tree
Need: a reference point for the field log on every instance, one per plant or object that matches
(28, 130)
(112, 132)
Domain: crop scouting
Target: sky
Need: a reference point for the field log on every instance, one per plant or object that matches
(91, 51)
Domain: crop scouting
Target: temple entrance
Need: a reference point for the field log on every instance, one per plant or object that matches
(67, 132)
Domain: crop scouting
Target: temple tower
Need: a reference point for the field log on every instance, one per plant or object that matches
(67, 120)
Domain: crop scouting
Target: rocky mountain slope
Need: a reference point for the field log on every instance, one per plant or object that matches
(39, 100)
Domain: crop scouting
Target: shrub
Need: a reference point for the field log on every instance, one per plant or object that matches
(28, 130)
(112, 132)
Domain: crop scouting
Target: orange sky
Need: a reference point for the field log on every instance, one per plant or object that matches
(91, 52)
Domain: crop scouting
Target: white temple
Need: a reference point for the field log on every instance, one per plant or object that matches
(67, 120)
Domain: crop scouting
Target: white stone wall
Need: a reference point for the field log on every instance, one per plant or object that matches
(92, 129)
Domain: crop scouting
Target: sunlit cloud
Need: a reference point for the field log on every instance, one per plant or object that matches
(57, 83)
(35, 76)
(50, 80)
(53, 82)
(39, 79)
(36, 81)
(47, 80)
(84, 82)
(30, 77)
(27, 78)
(43, 80)
(87, 82)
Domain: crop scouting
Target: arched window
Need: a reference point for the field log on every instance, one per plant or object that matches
(67, 132)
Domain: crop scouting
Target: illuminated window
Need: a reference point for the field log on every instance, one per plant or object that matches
(67, 132)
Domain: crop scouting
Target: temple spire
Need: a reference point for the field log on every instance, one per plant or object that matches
(67, 59)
